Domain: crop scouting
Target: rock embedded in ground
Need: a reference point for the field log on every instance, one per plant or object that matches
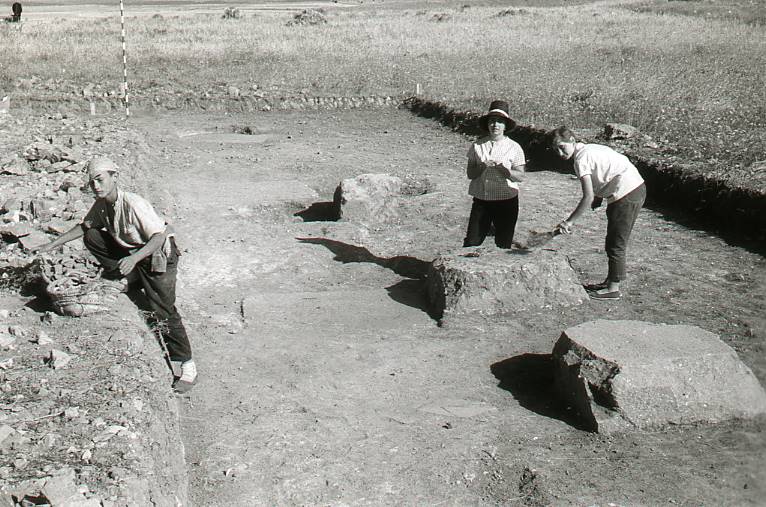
(620, 131)
(58, 359)
(502, 281)
(624, 375)
(368, 198)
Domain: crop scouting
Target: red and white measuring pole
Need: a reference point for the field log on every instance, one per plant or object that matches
(124, 61)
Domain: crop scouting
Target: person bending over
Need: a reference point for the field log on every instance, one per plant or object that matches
(604, 174)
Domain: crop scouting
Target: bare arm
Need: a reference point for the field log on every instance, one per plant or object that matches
(127, 264)
(582, 206)
(75, 232)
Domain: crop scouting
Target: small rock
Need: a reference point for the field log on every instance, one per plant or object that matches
(34, 239)
(5, 432)
(6, 341)
(40, 337)
(50, 440)
(49, 318)
(58, 359)
(19, 331)
(72, 412)
(109, 432)
(61, 488)
(18, 230)
(4, 314)
(16, 167)
(11, 204)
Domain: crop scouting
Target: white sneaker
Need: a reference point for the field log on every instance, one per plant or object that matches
(188, 377)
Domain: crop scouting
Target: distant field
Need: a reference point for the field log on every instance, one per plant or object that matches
(695, 82)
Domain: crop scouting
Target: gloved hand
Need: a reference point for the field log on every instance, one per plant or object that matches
(597, 201)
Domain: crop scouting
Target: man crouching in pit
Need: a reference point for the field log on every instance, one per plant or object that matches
(123, 231)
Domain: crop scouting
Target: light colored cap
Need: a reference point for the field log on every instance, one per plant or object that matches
(100, 165)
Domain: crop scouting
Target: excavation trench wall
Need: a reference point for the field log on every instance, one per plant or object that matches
(735, 209)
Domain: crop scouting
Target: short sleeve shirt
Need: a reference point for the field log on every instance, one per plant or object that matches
(612, 174)
(492, 185)
(134, 221)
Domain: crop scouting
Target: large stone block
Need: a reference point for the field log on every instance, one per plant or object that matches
(368, 198)
(501, 281)
(623, 375)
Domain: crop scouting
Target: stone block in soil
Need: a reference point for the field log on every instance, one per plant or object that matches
(626, 375)
(368, 198)
(502, 281)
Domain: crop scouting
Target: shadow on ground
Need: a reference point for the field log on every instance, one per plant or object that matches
(529, 378)
(411, 293)
(402, 265)
(319, 212)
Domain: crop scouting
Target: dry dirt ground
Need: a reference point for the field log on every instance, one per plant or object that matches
(324, 381)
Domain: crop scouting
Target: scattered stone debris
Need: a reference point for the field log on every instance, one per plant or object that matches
(63, 385)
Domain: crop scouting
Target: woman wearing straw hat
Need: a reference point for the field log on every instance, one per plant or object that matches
(496, 165)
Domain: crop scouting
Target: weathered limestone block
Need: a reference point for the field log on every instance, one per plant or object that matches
(368, 198)
(623, 375)
(501, 281)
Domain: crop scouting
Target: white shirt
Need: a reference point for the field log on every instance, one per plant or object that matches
(491, 184)
(612, 174)
(133, 225)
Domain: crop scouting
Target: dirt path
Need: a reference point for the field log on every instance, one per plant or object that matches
(324, 380)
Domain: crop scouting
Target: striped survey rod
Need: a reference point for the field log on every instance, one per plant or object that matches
(124, 61)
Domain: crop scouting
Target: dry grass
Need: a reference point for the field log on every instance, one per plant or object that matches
(694, 82)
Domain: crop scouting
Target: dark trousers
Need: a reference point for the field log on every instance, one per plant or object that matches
(503, 214)
(159, 288)
(621, 216)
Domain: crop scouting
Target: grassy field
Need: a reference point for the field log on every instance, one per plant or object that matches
(695, 82)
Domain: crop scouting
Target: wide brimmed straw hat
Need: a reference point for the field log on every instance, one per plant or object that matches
(498, 109)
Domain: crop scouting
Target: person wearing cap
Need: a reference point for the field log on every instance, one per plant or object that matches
(496, 165)
(125, 234)
(603, 174)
